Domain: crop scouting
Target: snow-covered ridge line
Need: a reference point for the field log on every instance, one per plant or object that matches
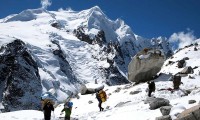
(65, 61)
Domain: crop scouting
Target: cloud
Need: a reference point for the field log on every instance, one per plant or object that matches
(45, 3)
(181, 39)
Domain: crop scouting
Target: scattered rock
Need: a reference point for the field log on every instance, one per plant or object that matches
(191, 101)
(166, 117)
(134, 92)
(121, 104)
(187, 70)
(158, 102)
(195, 49)
(109, 94)
(186, 58)
(190, 77)
(170, 62)
(188, 91)
(117, 90)
(90, 102)
(107, 107)
(181, 63)
(195, 67)
(165, 110)
(128, 86)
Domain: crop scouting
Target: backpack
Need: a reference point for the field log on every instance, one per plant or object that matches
(102, 95)
(68, 104)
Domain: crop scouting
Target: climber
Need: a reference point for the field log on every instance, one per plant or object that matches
(176, 81)
(152, 87)
(48, 107)
(67, 109)
(101, 97)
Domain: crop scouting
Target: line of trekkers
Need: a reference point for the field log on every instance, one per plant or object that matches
(176, 79)
(101, 96)
(47, 105)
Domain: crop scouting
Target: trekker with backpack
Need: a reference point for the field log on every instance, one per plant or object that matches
(101, 97)
(67, 109)
(152, 87)
(48, 107)
(176, 81)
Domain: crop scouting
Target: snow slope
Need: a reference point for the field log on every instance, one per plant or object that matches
(121, 104)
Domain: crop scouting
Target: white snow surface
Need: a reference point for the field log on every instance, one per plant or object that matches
(36, 31)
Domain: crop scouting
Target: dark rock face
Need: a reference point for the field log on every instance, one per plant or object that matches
(64, 64)
(98, 39)
(80, 34)
(20, 84)
(113, 76)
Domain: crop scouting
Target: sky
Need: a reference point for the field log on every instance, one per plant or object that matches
(147, 18)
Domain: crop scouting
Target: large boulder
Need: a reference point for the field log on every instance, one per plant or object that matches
(158, 102)
(145, 65)
(90, 88)
(192, 113)
(155, 103)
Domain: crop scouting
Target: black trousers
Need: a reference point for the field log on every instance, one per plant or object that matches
(47, 117)
(149, 94)
(67, 117)
(100, 108)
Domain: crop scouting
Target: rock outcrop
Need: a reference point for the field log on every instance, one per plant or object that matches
(145, 65)
(20, 84)
(155, 103)
(192, 113)
(90, 89)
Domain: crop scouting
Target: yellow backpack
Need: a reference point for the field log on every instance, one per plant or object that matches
(102, 95)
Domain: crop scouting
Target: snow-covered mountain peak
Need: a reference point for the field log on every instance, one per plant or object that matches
(27, 15)
(96, 9)
(69, 48)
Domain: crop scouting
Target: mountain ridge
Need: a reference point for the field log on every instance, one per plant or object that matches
(61, 42)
